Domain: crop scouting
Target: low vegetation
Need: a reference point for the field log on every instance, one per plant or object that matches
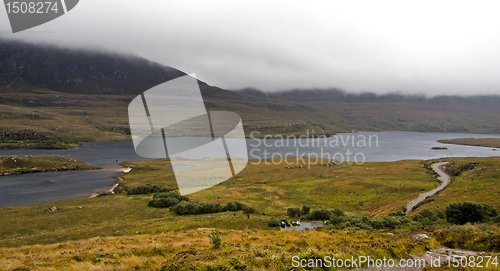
(358, 222)
(457, 169)
(201, 249)
(372, 189)
(477, 180)
(144, 189)
(210, 208)
(482, 142)
(13, 164)
(470, 212)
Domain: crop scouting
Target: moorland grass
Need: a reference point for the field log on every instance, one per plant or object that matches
(191, 250)
(36, 163)
(373, 189)
(271, 187)
(481, 184)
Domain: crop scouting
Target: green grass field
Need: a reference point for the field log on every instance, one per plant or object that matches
(120, 232)
(373, 189)
(482, 182)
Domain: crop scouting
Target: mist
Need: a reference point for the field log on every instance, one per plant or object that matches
(414, 48)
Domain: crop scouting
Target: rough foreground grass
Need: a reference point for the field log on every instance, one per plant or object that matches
(241, 250)
(191, 250)
(28, 163)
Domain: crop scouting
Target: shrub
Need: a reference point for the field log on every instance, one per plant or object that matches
(426, 213)
(273, 223)
(239, 206)
(337, 212)
(456, 170)
(171, 194)
(208, 208)
(320, 214)
(490, 210)
(399, 213)
(248, 209)
(185, 208)
(305, 210)
(348, 222)
(293, 212)
(440, 214)
(463, 212)
(163, 202)
(230, 206)
(215, 239)
(148, 189)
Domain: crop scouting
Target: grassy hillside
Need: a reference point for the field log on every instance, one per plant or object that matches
(47, 119)
(480, 184)
(120, 232)
(63, 120)
(55, 98)
(373, 189)
(59, 120)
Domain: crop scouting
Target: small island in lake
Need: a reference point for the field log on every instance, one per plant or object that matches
(10, 164)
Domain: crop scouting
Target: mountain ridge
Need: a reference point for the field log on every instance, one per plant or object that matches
(91, 91)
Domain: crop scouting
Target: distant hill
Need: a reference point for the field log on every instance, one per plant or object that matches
(93, 89)
(337, 110)
(78, 71)
(338, 95)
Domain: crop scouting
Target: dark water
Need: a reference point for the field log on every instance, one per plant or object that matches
(35, 188)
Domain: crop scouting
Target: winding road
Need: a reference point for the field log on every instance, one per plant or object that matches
(442, 176)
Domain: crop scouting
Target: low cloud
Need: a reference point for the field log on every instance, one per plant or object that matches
(420, 47)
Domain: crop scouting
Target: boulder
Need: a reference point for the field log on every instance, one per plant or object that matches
(420, 236)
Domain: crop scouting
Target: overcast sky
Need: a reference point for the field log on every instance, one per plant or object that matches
(430, 47)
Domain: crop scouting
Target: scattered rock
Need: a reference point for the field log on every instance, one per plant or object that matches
(420, 236)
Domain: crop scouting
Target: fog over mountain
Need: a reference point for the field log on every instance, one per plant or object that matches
(424, 47)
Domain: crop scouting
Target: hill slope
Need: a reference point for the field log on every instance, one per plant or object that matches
(67, 95)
